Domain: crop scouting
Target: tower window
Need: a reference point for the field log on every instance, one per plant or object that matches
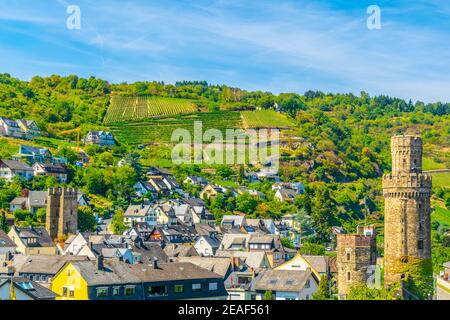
(348, 256)
(420, 244)
(349, 276)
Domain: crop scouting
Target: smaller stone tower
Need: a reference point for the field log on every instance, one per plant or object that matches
(62, 212)
(355, 253)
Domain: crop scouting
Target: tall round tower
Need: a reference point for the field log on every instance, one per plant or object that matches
(407, 232)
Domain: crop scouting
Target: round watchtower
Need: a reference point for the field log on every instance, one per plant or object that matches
(407, 210)
(406, 153)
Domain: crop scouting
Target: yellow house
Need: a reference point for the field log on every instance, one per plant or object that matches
(318, 264)
(30, 241)
(69, 284)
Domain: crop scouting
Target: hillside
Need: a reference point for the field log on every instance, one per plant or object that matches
(336, 144)
(132, 108)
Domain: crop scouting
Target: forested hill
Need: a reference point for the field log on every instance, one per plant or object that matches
(55, 99)
(345, 130)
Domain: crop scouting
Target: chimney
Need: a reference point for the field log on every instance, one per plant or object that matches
(100, 265)
(155, 263)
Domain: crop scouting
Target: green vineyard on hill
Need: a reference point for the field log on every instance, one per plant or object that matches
(126, 108)
(160, 130)
(265, 119)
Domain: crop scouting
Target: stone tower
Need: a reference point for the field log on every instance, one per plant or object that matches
(62, 212)
(355, 253)
(406, 191)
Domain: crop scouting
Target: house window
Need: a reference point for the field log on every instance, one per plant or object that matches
(420, 244)
(157, 291)
(102, 292)
(129, 291)
(212, 286)
(64, 293)
(348, 276)
(196, 287)
(71, 293)
(116, 291)
(178, 288)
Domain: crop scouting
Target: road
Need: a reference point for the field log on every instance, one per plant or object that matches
(442, 294)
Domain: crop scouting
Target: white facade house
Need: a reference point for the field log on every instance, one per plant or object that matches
(24, 129)
(140, 213)
(287, 284)
(207, 246)
(11, 168)
(102, 138)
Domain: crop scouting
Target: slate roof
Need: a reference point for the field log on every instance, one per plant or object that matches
(16, 165)
(117, 272)
(180, 250)
(237, 220)
(30, 288)
(253, 259)
(42, 237)
(320, 263)
(195, 202)
(264, 239)
(37, 198)
(204, 229)
(137, 210)
(287, 193)
(5, 241)
(45, 264)
(283, 280)
(212, 241)
(18, 201)
(160, 183)
(219, 265)
(149, 250)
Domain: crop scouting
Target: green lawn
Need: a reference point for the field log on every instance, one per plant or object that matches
(441, 179)
(431, 164)
(442, 215)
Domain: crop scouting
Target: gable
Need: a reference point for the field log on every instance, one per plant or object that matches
(298, 262)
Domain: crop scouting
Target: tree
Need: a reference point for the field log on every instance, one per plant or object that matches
(287, 243)
(3, 222)
(246, 203)
(125, 177)
(41, 214)
(323, 292)
(362, 292)
(117, 224)
(312, 249)
(268, 295)
(86, 219)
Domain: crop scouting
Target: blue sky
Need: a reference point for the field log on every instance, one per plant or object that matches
(277, 46)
